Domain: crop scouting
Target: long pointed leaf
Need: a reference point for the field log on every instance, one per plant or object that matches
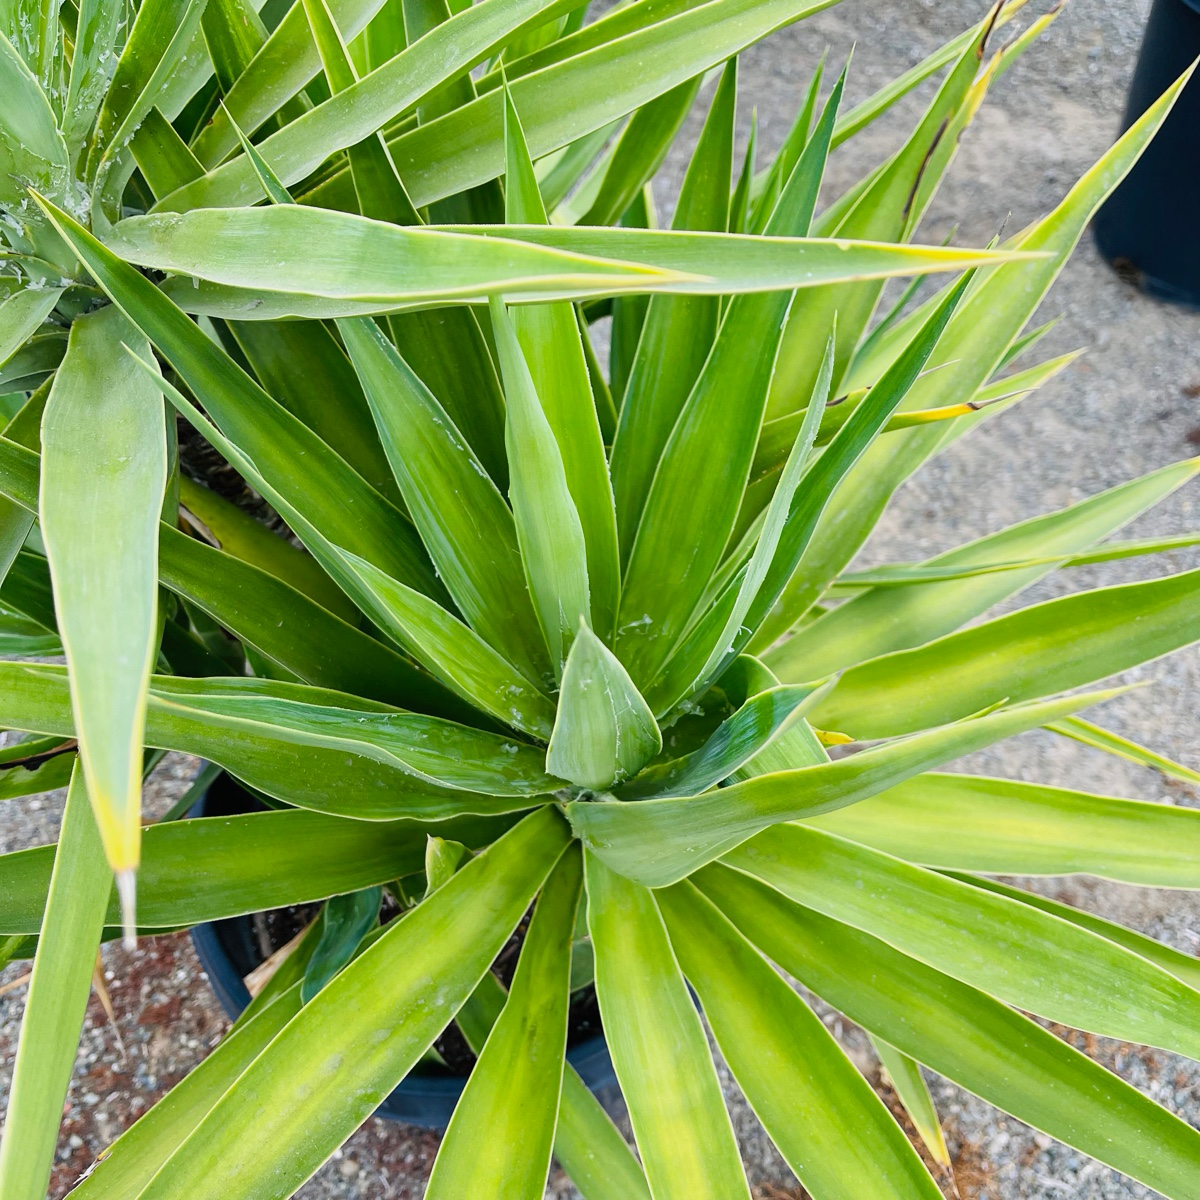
(1036, 651)
(279, 762)
(275, 619)
(1014, 952)
(657, 842)
(658, 1046)
(134, 1158)
(831, 1128)
(210, 868)
(678, 331)
(1112, 743)
(300, 465)
(553, 348)
(467, 527)
(246, 1145)
(104, 469)
(965, 1035)
(455, 653)
(58, 996)
(1005, 827)
(513, 1093)
(1183, 966)
(909, 1084)
(693, 503)
(736, 741)
(548, 527)
(974, 345)
(877, 623)
(290, 59)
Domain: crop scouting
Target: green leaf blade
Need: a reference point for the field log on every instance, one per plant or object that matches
(58, 996)
(831, 1128)
(604, 731)
(965, 1035)
(1006, 827)
(1033, 652)
(104, 471)
(462, 518)
(350, 1027)
(550, 533)
(658, 1046)
(1031, 959)
(658, 842)
(513, 1092)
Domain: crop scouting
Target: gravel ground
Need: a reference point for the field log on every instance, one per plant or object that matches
(1127, 407)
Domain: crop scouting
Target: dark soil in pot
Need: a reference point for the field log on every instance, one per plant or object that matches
(230, 949)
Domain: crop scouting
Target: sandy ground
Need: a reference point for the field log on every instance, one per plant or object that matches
(1127, 407)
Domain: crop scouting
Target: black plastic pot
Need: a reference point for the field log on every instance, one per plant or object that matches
(1148, 228)
(228, 951)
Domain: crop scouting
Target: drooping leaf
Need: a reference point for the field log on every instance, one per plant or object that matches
(104, 467)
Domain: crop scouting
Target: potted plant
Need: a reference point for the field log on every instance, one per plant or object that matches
(566, 650)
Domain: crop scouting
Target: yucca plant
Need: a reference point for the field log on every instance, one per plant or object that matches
(555, 649)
